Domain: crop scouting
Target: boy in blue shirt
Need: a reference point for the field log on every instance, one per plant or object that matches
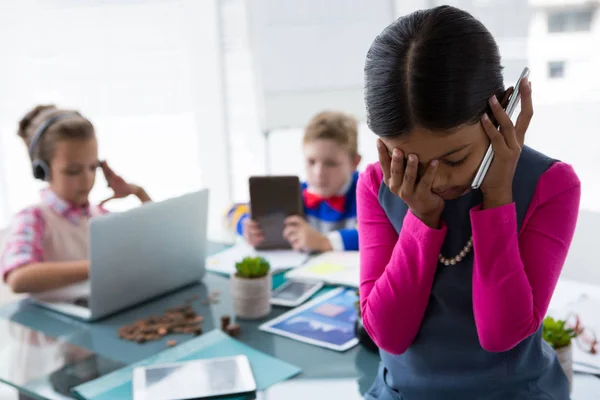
(330, 147)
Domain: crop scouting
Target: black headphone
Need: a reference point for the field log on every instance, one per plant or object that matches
(41, 169)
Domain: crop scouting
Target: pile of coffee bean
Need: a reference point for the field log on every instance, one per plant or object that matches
(175, 320)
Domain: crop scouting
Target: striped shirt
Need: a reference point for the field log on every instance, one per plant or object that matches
(25, 240)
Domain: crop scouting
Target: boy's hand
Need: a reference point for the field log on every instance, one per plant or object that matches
(303, 237)
(252, 232)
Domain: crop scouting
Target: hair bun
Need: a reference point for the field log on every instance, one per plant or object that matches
(26, 121)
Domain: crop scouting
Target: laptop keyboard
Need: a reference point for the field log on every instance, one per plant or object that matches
(82, 302)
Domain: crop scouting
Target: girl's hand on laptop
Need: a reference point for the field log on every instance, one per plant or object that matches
(86, 268)
(303, 237)
(252, 232)
(119, 186)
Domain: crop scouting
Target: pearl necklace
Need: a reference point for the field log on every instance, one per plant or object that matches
(458, 258)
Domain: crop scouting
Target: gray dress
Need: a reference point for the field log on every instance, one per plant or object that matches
(446, 361)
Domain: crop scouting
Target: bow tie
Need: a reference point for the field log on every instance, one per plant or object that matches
(312, 200)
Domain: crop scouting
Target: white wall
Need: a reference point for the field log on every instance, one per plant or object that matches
(578, 49)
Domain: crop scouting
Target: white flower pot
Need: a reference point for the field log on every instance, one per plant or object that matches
(251, 297)
(565, 358)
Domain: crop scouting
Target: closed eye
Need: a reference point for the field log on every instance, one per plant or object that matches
(455, 163)
(72, 171)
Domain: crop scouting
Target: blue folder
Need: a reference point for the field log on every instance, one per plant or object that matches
(117, 385)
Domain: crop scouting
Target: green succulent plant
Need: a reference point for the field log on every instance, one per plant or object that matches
(252, 268)
(556, 333)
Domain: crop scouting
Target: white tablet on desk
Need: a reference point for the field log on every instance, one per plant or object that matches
(200, 379)
(294, 293)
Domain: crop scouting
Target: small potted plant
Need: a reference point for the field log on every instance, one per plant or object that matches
(359, 330)
(560, 336)
(251, 288)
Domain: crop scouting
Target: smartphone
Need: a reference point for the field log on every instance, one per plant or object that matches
(513, 102)
(294, 293)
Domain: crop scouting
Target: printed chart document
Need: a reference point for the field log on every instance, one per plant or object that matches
(327, 321)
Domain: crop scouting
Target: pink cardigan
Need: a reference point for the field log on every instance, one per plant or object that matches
(514, 274)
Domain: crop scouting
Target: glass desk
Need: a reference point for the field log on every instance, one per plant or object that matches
(33, 362)
(101, 338)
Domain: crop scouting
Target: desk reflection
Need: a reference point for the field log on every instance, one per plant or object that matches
(30, 360)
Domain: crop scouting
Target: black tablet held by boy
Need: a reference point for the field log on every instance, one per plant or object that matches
(272, 200)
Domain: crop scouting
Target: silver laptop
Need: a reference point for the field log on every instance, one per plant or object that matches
(140, 254)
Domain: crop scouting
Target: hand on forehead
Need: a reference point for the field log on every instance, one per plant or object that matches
(428, 145)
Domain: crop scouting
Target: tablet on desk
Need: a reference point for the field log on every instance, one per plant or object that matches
(200, 379)
(272, 200)
(294, 293)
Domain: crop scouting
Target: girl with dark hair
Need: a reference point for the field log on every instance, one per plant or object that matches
(455, 282)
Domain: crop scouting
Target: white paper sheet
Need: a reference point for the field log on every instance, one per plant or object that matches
(585, 362)
(224, 262)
